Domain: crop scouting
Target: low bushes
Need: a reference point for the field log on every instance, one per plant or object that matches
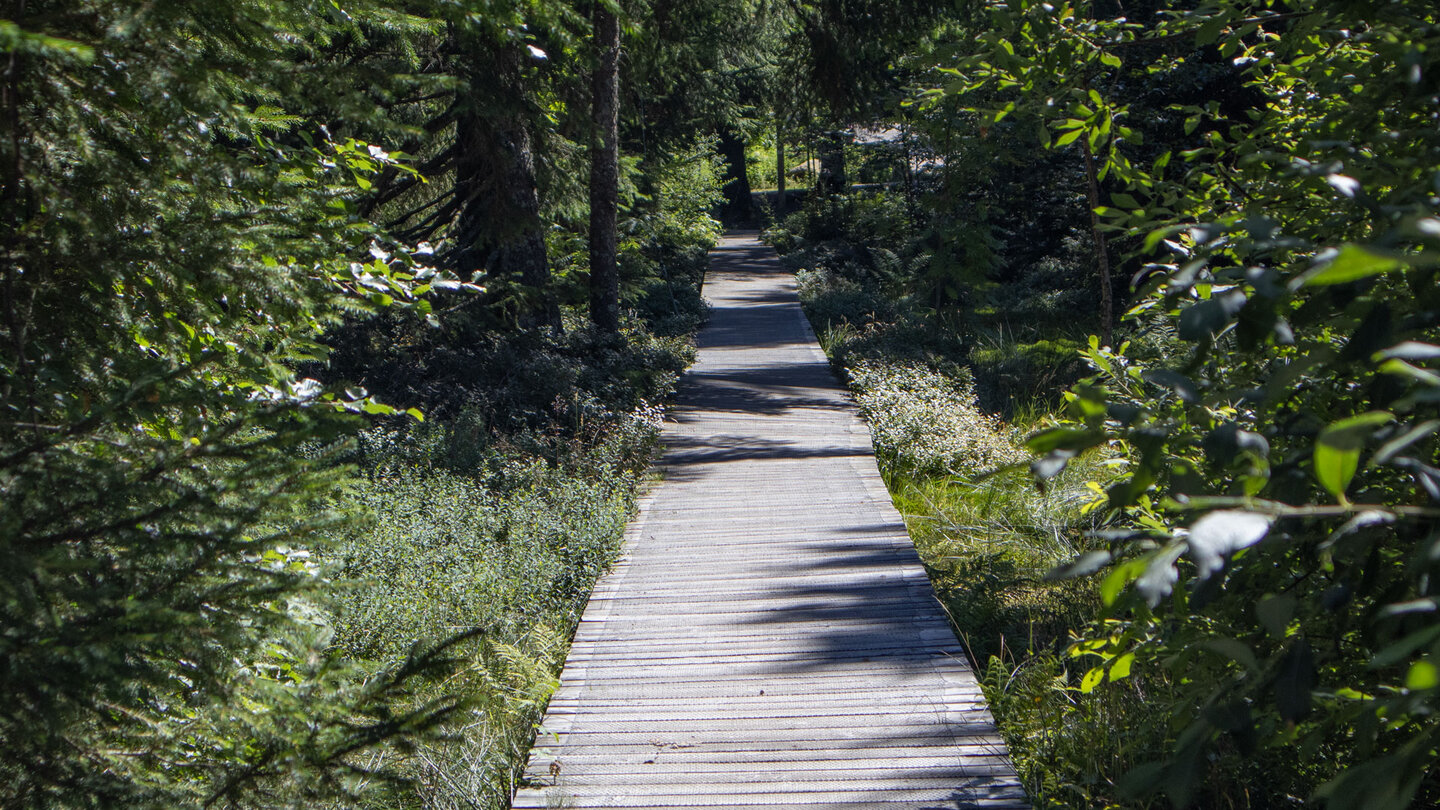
(930, 384)
(496, 515)
(511, 554)
(987, 535)
(926, 423)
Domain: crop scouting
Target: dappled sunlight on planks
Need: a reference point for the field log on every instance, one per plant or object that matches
(770, 638)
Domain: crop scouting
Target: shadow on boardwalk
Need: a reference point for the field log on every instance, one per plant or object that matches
(770, 638)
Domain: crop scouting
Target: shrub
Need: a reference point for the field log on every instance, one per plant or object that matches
(925, 422)
(443, 553)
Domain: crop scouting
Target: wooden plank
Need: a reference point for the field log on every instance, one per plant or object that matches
(722, 768)
(956, 801)
(989, 794)
(769, 638)
(766, 784)
(747, 760)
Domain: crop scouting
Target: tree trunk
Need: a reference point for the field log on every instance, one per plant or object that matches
(605, 173)
(737, 178)
(834, 178)
(499, 228)
(779, 167)
(1102, 254)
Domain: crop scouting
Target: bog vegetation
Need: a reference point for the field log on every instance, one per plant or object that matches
(334, 338)
(1218, 588)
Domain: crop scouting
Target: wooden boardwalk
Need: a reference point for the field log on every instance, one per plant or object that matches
(769, 638)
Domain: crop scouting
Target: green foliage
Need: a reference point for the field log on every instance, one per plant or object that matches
(1273, 590)
(931, 424)
(443, 553)
(513, 556)
(866, 238)
(173, 243)
(988, 537)
(1009, 373)
(499, 512)
(687, 191)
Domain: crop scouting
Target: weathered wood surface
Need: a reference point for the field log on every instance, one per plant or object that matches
(769, 638)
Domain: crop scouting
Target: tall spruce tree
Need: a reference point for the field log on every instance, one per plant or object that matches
(605, 171)
(172, 240)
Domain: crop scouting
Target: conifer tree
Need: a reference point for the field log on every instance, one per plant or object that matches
(172, 241)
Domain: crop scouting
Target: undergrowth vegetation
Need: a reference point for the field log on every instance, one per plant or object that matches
(959, 474)
(1240, 499)
(497, 515)
(951, 395)
(512, 552)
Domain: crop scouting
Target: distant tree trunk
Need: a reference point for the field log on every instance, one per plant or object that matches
(605, 173)
(1102, 254)
(737, 178)
(909, 170)
(779, 166)
(499, 228)
(833, 176)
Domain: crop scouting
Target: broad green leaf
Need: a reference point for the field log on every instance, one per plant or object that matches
(1182, 385)
(1083, 565)
(1159, 235)
(1337, 449)
(1120, 667)
(1120, 576)
(1395, 652)
(1409, 437)
(1233, 649)
(1384, 783)
(1352, 263)
(1052, 464)
(1209, 317)
(1335, 467)
(1062, 438)
(1160, 575)
(1092, 679)
(1429, 604)
(1410, 350)
(1422, 675)
(1218, 534)
(1275, 612)
(1210, 31)
(1400, 368)
(1069, 138)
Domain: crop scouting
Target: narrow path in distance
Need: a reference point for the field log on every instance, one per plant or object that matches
(769, 638)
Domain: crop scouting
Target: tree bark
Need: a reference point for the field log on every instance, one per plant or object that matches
(833, 175)
(779, 166)
(499, 227)
(1102, 254)
(737, 178)
(605, 173)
